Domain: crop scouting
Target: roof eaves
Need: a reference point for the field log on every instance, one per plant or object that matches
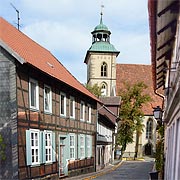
(13, 53)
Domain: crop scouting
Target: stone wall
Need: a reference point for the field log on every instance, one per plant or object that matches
(8, 116)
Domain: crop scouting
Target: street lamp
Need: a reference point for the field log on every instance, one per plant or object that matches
(158, 114)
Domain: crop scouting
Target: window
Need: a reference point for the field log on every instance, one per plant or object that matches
(82, 146)
(33, 94)
(48, 146)
(72, 146)
(72, 107)
(89, 113)
(103, 89)
(149, 126)
(33, 146)
(63, 104)
(47, 99)
(82, 111)
(104, 69)
(40, 147)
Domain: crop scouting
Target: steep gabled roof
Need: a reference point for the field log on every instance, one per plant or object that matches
(25, 50)
(133, 73)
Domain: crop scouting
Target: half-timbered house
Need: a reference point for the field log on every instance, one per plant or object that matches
(48, 118)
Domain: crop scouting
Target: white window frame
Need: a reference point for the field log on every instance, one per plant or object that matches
(48, 146)
(72, 146)
(82, 111)
(49, 99)
(89, 113)
(82, 146)
(35, 147)
(36, 106)
(73, 107)
(64, 104)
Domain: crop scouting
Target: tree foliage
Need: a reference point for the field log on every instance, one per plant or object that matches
(131, 114)
(95, 89)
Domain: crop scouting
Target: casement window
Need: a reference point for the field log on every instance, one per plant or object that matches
(88, 146)
(40, 147)
(48, 146)
(104, 69)
(62, 104)
(81, 146)
(82, 111)
(33, 147)
(89, 113)
(72, 146)
(72, 107)
(33, 94)
(47, 99)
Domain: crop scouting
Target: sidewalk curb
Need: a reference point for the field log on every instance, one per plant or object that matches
(104, 172)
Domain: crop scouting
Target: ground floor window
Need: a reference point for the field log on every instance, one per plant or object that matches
(40, 146)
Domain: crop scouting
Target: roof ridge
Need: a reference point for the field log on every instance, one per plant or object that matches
(133, 64)
(9, 24)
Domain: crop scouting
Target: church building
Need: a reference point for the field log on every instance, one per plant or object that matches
(103, 70)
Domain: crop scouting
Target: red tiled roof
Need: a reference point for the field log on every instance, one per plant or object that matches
(32, 53)
(133, 73)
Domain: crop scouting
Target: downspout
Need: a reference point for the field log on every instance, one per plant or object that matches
(160, 95)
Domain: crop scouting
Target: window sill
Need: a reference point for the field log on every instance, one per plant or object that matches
(48, 112)
(35, 165)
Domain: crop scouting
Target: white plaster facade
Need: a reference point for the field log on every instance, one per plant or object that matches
(147, 140)
(104, 150)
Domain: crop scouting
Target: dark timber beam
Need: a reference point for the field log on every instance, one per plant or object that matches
(173, 7)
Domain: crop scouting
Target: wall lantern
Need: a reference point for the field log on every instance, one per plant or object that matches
(158, 113)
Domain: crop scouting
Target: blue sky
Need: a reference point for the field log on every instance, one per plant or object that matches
(64, 27)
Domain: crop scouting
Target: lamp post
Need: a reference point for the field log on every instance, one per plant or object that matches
(158, 113)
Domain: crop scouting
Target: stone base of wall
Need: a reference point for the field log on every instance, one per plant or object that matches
(80, 171)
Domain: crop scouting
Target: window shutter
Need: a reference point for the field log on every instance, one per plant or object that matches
(28, 148)
(86, 148)
(53, 147)
(42, 147)
(90, 141)
(79, 146)
(76, 146)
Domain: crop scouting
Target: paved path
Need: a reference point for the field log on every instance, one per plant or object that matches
(130, 170)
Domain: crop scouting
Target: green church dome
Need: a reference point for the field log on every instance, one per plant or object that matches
(101, 27)
(102, 47)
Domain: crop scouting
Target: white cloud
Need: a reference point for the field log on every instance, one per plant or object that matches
(64, 27)
(56, 36)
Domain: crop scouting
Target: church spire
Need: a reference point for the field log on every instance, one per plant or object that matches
(102, 6)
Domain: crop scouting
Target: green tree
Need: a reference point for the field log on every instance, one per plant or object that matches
(131, 114)
(95, 89)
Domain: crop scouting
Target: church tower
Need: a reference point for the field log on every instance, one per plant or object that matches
(101, 61)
